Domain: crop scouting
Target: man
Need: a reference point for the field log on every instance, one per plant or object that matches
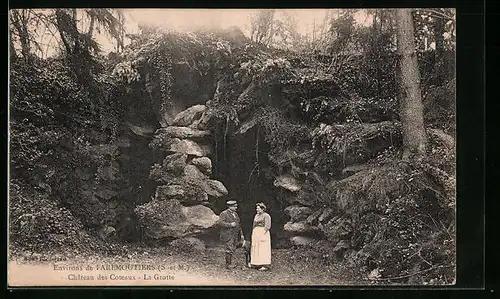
(230, 233)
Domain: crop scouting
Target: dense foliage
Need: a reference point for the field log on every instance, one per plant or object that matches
(55, 120)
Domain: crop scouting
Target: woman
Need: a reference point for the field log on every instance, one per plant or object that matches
(260, 254)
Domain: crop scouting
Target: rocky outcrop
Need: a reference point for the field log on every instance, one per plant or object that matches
(186, 146)
(192, 173)
(214, 188)
(144, 131)
(203, 123)
(170, 219)
(288, 182)
(188, 116)
(204, 164)
(186, 194)
(184, 184)
(183, 132)
(300, 228)
(172, 165)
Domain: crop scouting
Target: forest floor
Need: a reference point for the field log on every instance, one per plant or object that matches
(290, 267)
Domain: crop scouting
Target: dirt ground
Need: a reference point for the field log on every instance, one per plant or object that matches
(290, 267)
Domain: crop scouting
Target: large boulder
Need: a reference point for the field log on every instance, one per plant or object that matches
(188, 147)
(203, 123)
(182, 132)
(200, 216)
(288, 182)
(297, 213)
(204, 164)
(169, 192)
(300, 228)
(173, 165)
(169, 219)
(188, 116)
(186, 194)
(192, 173)
(143, 131)
(214, 188)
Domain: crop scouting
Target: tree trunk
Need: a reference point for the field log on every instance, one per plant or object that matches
(438, 36)
(411, 108)
(13, 54)
(121, 36)
(60, 27)
(20, 23)
(90, 31)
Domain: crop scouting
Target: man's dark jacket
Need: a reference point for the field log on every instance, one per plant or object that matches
(228, 233)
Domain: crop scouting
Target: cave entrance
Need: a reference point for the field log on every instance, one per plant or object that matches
(241, 162)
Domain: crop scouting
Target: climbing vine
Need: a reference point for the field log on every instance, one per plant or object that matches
(162, 65)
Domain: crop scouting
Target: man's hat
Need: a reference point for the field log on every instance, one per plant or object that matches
(231, 202)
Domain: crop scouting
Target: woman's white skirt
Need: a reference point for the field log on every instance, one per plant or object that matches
(260, 253)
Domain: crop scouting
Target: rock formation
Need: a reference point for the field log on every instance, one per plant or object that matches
(184, 185)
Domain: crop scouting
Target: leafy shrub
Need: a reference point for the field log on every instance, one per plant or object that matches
(38, 223)
(407, 215)
(281, 133)
(53, 117)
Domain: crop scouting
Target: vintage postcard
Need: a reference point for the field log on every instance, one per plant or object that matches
(242, 147)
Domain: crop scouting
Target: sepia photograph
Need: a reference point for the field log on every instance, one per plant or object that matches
(231, 147)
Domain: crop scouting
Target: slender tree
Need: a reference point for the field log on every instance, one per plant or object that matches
(12, 49)
(262, 26)
(19, 20)
(411, 107)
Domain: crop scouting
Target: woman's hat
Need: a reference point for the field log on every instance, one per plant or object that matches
(231, 202)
